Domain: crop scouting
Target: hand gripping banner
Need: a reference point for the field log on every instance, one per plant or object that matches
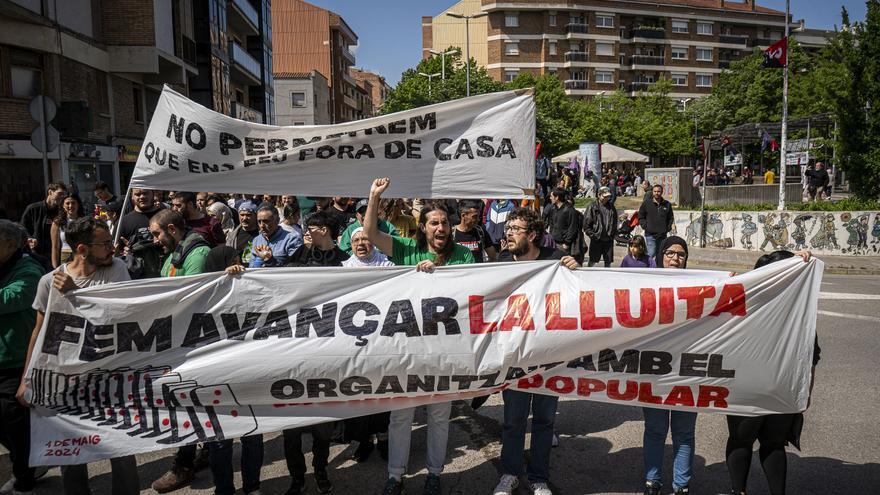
(476, 147)
(145, 365)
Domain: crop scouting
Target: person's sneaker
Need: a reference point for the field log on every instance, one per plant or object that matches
(541, 489)
(297, 485)
(555, 441)
(322, 482)
(175, 478)
(507, 485)
(201, 460)
(652, 488)
(393, 487)
(682, 490)
(432, 485)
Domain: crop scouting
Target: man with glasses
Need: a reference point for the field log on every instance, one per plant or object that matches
(207, 226)
(524, 231)
(274, 245)
(92, 264)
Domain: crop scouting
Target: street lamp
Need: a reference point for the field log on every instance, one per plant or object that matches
(430, 77)
(684, 104)
(467, 43)
(601, 95)
(443, 60)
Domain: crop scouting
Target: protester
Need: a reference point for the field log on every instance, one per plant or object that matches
(774, 431)
(20, 275)
(37, 218)
(103, 194)
(274, 245)
(223, 213)
(600, 225)
(656, 218)
(769, 176)
(143, 257)
(360, 210)
(673, 253)
(342, 212)
(321, 251)
(524, 231)
(92, 264)
(365, 254)
(207, 226)
(496, 218)
(201, 202)
(565, 226)
(433, 246)
(395, 211)
(817, 181)
(637, 257)
(241, 237)
(470, 234)
(70, 210)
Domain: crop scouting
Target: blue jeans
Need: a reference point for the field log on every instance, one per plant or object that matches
(251, 463)
(657, 425)
(516, 413)
(653, 242)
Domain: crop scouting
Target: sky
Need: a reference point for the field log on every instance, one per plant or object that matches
(390, 31)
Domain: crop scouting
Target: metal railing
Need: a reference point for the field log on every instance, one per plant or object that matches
(248, 11)
(244, 112)
(639, 86)
(648, 32)
(734, 39)
(576, 56)
(575, 84)
(243, 59)
(647, 60)
(576, 27)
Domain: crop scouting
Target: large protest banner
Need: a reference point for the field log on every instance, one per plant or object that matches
(476, 147)
(144, 365)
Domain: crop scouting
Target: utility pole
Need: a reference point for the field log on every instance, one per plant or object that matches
(783, 151)
(443, 61)
(467, 43)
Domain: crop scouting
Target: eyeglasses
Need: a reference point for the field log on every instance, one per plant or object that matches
(675, 254)
(107, 244)
(515, 229)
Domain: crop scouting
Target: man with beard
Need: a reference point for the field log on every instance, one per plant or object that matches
(433, 246)
(92, 264)
(656, 218)
(524, 231)
(470, 234)
(274, 245)
(144, 257)
(565, 226)
(196, 219)
(37, 218)
(241, 237)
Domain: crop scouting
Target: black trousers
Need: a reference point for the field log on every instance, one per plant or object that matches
(772, 431)
(296, 461)
(15, 429)
(360, 428)
(601, 249)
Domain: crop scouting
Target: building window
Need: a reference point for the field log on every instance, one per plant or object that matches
(552, 70)
(704, 28)
(297, 99)
(511, 48)
(704, 80)
(551, 18)
(679, 53)
(775, 35)
(604, 21)
(299, 123)
(26, 82)
(552, 47)
(704, 54)
(605, 49)
(510, 74)
(680, 27)
(138, 101)
(511, 19)
(679, 79)
(604, 77)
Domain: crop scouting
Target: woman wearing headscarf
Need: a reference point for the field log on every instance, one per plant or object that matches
(673, 253)
(365, 254)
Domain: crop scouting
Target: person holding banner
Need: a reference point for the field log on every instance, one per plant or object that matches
(92, 264)
(432, 246)
(673, 253)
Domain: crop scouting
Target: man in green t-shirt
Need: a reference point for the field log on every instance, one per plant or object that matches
(432, 246)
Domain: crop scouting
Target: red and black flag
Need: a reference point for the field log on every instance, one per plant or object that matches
(776, 55)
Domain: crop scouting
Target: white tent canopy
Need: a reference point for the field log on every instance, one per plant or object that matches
(610, 154)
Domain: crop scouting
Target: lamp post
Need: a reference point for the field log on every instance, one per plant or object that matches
(430, 77)
(601, 95)
(696, 139)
(443, 61)
(467, 43)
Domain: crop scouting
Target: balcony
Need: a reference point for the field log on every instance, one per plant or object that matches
(245, 17)
(764, 42)
(724, 64)
(575, 84)
(346, 53)
(639, 86)
(244, 112)
(245, 63)
(648, 32)
(734, 39)
(646, 60)
(577, 56)
(576, 27)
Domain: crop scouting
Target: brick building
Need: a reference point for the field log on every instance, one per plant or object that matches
(378, 88)
(598, 46)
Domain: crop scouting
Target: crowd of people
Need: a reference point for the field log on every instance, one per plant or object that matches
(59, 247)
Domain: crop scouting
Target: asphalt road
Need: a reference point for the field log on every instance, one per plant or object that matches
(600, 445)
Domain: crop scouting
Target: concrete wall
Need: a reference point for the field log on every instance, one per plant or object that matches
(850, 233)
(753, 194)
(317, 96)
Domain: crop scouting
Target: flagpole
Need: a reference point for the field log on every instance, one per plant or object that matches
(782, 150)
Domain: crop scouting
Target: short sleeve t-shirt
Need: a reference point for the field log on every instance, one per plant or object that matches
(545, 254)
(116, 272)
(405, 251)
(476, 240)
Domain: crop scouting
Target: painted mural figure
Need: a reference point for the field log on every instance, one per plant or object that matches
(749, 229)
(826, 237)
(799, 236)
(876, 230)
(774, 233)
(858, 232)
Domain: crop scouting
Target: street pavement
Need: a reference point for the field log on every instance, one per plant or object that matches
(600, 444)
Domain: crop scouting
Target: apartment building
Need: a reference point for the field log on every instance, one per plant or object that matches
(302, 98)
(598, 46)
(441, 31)
(307, 38)
(378, 88)
(103, 65)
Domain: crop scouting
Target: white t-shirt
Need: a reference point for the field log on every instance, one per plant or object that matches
(117, 272)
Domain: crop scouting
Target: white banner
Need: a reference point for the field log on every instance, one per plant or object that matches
(145, 365)
(476, 147)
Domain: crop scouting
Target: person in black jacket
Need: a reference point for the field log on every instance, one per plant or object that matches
(565, 226)
(656, 218)
(817, 181)
(37, 218)
(600, 225)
